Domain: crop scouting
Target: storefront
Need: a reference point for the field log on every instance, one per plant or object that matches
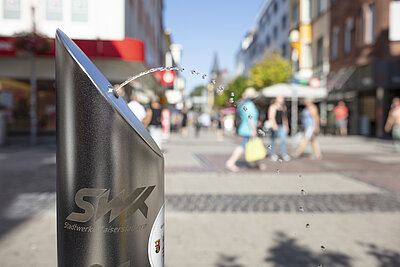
(117, 60)
(367, 91)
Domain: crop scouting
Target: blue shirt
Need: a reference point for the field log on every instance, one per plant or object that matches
(307, 119)
(247, 112)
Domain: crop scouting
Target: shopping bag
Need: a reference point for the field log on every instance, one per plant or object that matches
(255, 150)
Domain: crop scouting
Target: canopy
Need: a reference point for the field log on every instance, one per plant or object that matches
(289, 90)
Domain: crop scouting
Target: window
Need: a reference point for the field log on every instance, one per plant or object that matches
(335, 42)
(284, 50)
(284, 22)
(320, 6)
(348, 33)
(79, 10)
(370, 21)
(275, 32)
(268, 41)
(275, 7)
(361, 27)
(295, 12)
(11, 9)
(320, 51)
(54, 10)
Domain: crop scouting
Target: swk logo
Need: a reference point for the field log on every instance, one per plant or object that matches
(130, 204)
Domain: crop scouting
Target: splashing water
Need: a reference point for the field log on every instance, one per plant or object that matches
(303, 192)
(194, 72)
(307, 225)
(231, 100)
(301, 209)
(220, 90)
(147, 72)
(204, 76)
(319, 265)
(232, 94)
(212, 82)
(261, 132)
(323, 247)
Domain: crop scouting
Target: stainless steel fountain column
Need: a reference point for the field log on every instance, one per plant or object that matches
(110, 172)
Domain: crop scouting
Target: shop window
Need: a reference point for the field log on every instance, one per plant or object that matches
(54, 10)
(11, 9)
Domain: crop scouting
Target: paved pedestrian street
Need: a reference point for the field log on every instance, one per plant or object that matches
(343, 210)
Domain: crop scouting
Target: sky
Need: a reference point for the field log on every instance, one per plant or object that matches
(207, 27)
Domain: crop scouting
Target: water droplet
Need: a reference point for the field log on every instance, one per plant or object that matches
(193, 72)
(269, 147)
(244, 108)
(212, 81)
(280, 160)
(231, 100)
(301, 209)
(220, 90)
(168, 68)
(307, 225)
(250, 117)
(261, 132)
(303, 192)
(277, 171)
(299, 175)
(232, 94)
(319, 265)
(204, 76)
(323, 247)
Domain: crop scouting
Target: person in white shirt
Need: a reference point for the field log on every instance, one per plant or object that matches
(136, 107)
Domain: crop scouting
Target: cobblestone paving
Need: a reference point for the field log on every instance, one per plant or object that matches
(343, 203)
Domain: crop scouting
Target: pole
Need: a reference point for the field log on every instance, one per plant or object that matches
(33, 100)
(33, 85)
(110, 172)
(295, 104)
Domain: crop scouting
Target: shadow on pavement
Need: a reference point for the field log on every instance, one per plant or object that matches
(385, 257)
(287, 252)
(227, 261)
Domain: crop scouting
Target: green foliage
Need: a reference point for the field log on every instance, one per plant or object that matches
(198, 90)
(236, 86)
(271, 70)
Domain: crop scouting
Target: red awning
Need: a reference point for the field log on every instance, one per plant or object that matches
(128, 49)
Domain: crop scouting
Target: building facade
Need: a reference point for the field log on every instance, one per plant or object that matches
(365, 61)
(270, 36)
(122, 37)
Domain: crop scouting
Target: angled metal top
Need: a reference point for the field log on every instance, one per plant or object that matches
(103, 86)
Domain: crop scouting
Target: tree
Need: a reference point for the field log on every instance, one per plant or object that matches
(236, 86)
(198, 90)
(271, 70)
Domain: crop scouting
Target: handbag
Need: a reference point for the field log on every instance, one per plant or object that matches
(255, 150)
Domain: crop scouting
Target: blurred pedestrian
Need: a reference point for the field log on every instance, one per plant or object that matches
(310, 121)
(277, 116)
(341, 114)
(184, 129)
(197, 122)
(247, 128)
(136, 107)
(393, 122)
(155, 126)
(220, 125)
